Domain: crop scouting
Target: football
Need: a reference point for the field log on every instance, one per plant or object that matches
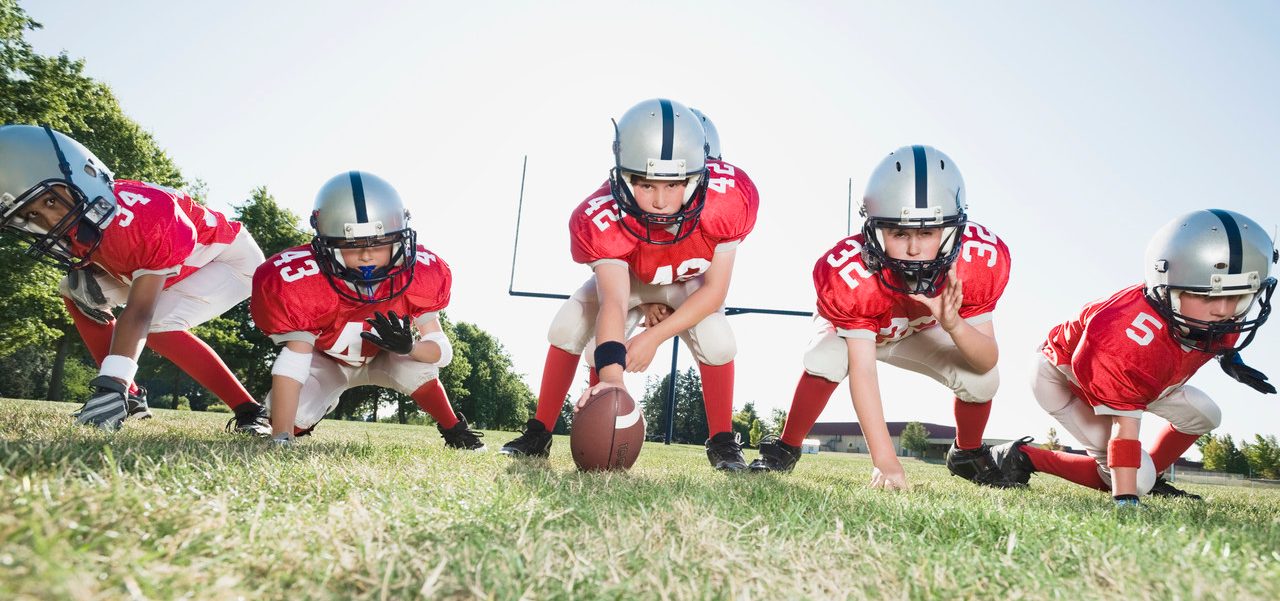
(607, 432)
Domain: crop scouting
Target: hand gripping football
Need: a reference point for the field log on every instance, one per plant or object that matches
(607, 432)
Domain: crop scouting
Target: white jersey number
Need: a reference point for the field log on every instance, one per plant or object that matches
(293, 274)
(1142, 333)
(846, 273)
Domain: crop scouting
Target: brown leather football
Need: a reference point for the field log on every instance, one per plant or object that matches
(607, 432)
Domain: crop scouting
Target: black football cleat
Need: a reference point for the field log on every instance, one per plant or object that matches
(136, 404)
(1013, 462)
(461, 436)
(724, 451)
(978, 466)
(251, 419)
(775, 456)
(1163, 488)
(535, 441)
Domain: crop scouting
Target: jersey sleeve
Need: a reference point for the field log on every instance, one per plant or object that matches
(984, 265)
(286, 303)
(1114, 371)
(846, 291)
(160, 236)
(595, 235)
(432, 282)
(731, 206)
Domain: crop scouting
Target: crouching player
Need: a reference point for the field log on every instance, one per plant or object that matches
(660, 234)
(1131, 353)
(171, 262)
(345, 309)
(916, 289)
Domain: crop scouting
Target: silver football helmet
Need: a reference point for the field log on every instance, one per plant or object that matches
(358, 209)
(713, 135)
(1216, 253)
(914, 187)
(33, 161)
(659, 139)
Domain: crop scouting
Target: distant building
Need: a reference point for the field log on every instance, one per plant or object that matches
(846, 437)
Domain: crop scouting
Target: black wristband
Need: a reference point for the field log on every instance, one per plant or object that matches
(610, 353)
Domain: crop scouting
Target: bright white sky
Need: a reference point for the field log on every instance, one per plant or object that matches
(1080, 129)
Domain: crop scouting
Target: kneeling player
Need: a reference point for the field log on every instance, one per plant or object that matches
(345, 309)
(661, 234)
(1134, 352)
(173, 263)
(916, 289)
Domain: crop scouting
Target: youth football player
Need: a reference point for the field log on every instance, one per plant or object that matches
(1207, 290)
(916, 289)
(171, 262)
(661, 236)
(359, 305)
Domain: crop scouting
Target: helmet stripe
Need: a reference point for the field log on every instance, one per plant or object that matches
(668, 129)
(357, 191)
(1234, 244)
(922, 177)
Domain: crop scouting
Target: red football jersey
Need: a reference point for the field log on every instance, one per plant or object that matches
(728, 215)
(291, 295)
(1121, 353)
(158, 230)
(854, 299)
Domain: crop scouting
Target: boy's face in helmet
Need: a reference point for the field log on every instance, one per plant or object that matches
(47, 209)
(660, 196)
(369, 256)
(1203, 307)
(912, 244)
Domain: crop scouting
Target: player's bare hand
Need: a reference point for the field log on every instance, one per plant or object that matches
(945, 307)
(654, 313)
(889, 478)
(594, 390)
(640, 350)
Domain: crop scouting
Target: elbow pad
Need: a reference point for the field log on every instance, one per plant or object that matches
(446, 349)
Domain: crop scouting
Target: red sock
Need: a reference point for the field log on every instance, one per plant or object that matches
(96, 336)
(971, 422)
(594, 377)
(811, 396)
(194, 357)
(1081, 469)
(431, 398)
(717, 396)
(1170, 446)
(557, 376)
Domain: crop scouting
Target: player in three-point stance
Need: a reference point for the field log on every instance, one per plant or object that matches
(915, 289)
(661, 236)
(1096, 374)
(357, 306)
(171, 262)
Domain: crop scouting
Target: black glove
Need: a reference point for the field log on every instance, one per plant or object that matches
(394, 334)
(83, 289)
(107, 408)
(1234, 366)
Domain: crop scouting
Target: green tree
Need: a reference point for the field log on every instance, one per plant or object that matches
(492, 394)
(915, 438)
(777, 421)
(1051, 441)
(743, 418)
(1220, 454)
(755, 433)
(1263, 457)
(690, 424)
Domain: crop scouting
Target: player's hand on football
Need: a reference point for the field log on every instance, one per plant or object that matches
(890, 478)
(1233, 365)
(945, 307)
(594, 390)
(394, 333)
(640, 350)
(654, 313)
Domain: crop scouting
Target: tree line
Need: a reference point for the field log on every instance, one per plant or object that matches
(40, 351)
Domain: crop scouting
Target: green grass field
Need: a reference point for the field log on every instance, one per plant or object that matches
(173, 507)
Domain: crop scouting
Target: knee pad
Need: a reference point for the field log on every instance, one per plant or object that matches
(977, 388)
(1206, 417)
(828, 361)
(571, 328)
